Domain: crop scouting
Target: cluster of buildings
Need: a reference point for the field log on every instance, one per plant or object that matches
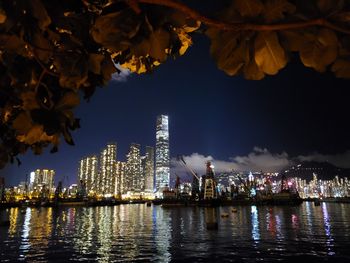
(271, 182)
(316, 188)
(139, 175)
(146, 173)
(40, 184)
(103, 175)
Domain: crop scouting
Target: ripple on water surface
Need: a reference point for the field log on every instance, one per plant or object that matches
(137, 233)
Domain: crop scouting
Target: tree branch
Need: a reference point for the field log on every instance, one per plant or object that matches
(134, 5)
(242, 26)
(43, 72)
(43, 66)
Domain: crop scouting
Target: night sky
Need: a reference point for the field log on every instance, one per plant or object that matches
(298, 111)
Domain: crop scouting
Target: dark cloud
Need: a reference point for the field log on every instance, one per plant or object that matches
(260, 159)
(341, 160)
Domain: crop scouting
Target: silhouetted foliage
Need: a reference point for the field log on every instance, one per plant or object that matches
(51, 50)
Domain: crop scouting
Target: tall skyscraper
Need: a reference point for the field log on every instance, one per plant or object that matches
(148, 169)
(42, 178)
(119, 185)
(162, 153)
(133, 172)
(107, 173)
(88, 172)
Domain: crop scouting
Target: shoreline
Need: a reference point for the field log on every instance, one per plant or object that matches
(171, 202)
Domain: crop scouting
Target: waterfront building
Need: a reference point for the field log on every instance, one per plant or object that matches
(318, 188)
(88, 172)
(42, 178)
(119, 183)
(148, 169)
(72, 190)
(2, 189)
(134, 180)
(22, 188)
(162, 153)
(107, 173)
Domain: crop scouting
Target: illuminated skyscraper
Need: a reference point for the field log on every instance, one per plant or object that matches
(162, 153)
(133, 172)
(148, 169)
(43, 178)
(107, 173)
(119, 183)
(88, 172)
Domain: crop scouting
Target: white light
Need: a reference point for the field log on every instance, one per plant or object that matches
(32, 177)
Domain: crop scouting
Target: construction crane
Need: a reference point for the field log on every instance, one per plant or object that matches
(196, 179)
(209, 184)
(189, 168)
(244, 184)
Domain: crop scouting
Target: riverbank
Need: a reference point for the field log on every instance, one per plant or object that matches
(68, 202)
(169, 202)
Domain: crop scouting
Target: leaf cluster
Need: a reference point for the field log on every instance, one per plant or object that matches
(54, 52)
(257, 51)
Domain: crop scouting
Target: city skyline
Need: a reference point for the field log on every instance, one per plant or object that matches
(195, 160)
(174, 131)
(212, 114)
(108, 176)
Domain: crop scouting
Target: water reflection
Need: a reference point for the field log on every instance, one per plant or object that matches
(255, 224)
(131, 233)
(25, 244)
(327, 228)
(84, 227)
(13, 216)
(162, 233)
(279, 233)
(295, 222)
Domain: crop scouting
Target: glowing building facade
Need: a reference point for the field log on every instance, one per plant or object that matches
(119, 183)
(133, 170)
(148, 169)
(42, 178)
(88, 172)
(106, 177)
(162, 153)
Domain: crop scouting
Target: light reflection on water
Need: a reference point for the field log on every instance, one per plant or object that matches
(255, 224)
(137, 233)
(327, 229)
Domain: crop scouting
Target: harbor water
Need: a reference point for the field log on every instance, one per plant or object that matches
(141, 233)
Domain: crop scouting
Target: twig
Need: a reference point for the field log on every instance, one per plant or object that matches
(242, 26)
(43, 66)
(43, 72)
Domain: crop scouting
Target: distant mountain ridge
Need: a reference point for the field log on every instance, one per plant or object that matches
(324, 170)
